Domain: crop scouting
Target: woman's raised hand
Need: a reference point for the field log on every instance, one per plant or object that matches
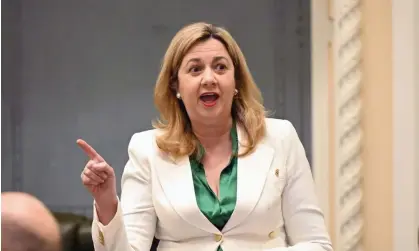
(98, 177)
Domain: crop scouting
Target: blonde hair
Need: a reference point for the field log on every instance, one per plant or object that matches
(176, 137)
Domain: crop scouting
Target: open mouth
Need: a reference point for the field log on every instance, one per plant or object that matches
(209, 98)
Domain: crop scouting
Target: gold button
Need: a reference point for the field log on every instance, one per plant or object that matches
(218, 237)
(277, 172)
(272, 235)
(101, 238)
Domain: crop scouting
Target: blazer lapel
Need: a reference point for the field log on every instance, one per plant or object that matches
(252, 171)
(176, 179)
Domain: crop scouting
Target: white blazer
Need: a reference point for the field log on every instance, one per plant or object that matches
(276, 207)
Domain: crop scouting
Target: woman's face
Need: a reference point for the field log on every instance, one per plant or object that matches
(206, 82)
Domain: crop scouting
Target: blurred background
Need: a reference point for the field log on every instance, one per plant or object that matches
(345, 73)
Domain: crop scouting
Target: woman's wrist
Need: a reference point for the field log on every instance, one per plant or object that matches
(106, 210)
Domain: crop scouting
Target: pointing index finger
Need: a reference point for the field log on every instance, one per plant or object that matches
(90, 151)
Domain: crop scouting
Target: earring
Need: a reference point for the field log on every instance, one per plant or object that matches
(178, 95)
(235, 92)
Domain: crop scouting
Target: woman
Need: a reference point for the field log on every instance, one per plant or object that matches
(214, 174)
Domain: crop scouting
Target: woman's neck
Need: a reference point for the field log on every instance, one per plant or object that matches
(212, 135)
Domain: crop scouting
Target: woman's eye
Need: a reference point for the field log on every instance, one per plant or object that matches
(220, 67)
(194, 69)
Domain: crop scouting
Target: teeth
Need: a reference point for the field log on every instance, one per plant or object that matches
(209, 94)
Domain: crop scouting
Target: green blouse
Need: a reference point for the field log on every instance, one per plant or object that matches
(217, 210)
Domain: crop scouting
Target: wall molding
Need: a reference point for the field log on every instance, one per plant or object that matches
(348, 192)
(343, 206)
(336, 30)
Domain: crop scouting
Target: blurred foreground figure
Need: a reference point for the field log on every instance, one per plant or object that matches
(26, 224)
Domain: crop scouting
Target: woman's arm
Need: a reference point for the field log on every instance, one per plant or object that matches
(133, 226)
(304, 222)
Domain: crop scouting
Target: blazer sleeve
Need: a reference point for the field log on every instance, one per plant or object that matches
(134, 224)
(303, 218)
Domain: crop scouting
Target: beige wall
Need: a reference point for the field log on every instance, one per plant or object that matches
(416, 69)
(417, 116)
(390, 119)
(319, 104)
(377, 124)
(405, 151)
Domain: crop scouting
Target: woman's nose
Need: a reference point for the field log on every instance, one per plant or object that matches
(208, 77)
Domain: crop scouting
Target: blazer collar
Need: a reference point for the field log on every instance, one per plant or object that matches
(175, 176)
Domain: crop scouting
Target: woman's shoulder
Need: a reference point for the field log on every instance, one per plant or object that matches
(143, 143)
(279, 128)
(281, 132)
(282, 136)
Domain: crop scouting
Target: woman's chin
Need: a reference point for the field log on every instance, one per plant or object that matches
(211, 117)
